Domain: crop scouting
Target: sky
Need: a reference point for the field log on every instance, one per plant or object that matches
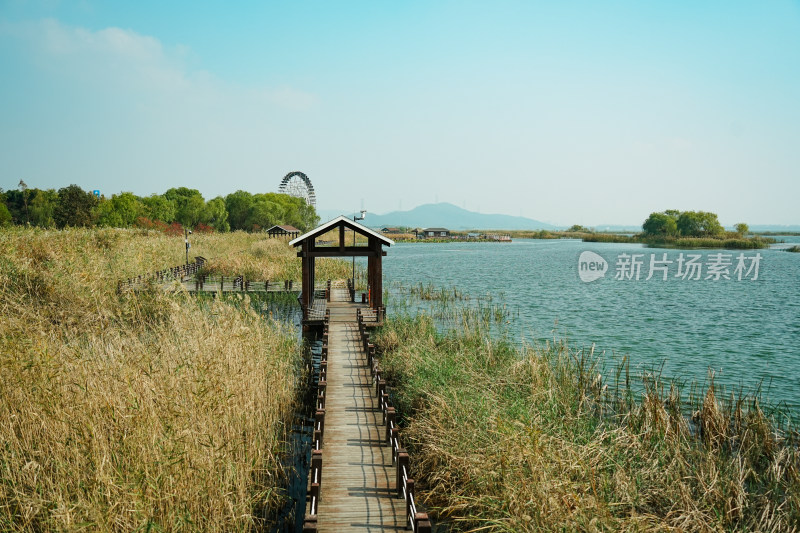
(567, 112)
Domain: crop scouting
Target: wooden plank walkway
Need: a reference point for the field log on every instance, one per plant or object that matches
(359, 488)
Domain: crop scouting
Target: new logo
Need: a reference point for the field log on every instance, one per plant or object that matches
(591, 266)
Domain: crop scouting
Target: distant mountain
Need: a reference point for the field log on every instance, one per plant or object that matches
(446, 216)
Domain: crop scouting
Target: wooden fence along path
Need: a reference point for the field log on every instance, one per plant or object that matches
(179, 273)
(192, 280)
(359, 477)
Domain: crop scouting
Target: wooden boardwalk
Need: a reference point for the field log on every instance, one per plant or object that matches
(359, 489)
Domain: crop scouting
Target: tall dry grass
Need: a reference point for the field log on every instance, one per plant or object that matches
(139, 411)
(274, 260)
(503, 440)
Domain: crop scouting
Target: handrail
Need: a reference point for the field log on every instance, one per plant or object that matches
(176, 272)
(419, 522)
(315, 475)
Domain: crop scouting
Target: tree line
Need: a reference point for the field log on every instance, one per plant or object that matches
(675, 223)
(180, 206)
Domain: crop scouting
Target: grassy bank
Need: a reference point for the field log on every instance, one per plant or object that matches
(140, 411)
(504, 440)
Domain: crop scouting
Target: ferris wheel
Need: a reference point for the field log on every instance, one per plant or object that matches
(298, 185)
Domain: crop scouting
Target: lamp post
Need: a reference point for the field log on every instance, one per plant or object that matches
(186, 233)
(355, 218)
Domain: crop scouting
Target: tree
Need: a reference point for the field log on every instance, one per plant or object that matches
(23, 187)
(660, 224)
(15, 202)
(699, 224)
(157, 207)
(308, 216)
(189, 205)
(216, 215)
(5, 214)
(264, 213)
(742, 229)
(43, 207)
(238, 205)
(74, 207)
(577, 228)
(119, 212)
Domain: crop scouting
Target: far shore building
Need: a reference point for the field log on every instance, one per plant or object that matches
(283, 231)
(436, 233)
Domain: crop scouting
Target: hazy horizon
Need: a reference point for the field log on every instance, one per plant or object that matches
(568, 113)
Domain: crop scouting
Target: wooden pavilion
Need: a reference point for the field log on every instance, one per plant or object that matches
(372, 250)
(283, 231)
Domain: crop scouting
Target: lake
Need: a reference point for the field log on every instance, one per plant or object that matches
(745, 328)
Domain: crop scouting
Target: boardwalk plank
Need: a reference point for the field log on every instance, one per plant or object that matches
(358, 489)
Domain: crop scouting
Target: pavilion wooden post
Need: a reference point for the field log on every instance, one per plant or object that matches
(371, 275)
(307, 296)
(376, 274)
(374, 253)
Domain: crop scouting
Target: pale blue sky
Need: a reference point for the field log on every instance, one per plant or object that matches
(567, 112)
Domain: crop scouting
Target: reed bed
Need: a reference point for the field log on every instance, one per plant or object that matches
(274, 259)
(135, 411)
(505, 439)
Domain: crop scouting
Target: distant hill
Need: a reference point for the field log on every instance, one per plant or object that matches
(447, 216)
(453, 217)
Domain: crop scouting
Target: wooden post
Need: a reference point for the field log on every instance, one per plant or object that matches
(316, 464)
(422, 523)
(310, 524)
(377, 279)
(394, 434)
(391, 421)
(308, 288)
(409, 494)
(384, 399)
(402, 461)
(319, 420)
(381, 387)
(321, 394)
(371, 273)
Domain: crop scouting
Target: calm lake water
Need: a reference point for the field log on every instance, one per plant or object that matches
(747, 331)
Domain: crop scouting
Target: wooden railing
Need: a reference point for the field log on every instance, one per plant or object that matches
(177, 272)
(315, 475)
(416, 520)
(239, 283)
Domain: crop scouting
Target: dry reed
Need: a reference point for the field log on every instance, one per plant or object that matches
(504, 440)
(139, 411)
